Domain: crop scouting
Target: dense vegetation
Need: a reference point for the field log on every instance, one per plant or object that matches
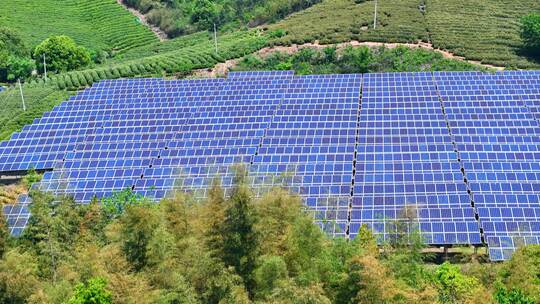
(231, 249)
(487, 31)
(355, 60)
(95, 24)
(180, 17)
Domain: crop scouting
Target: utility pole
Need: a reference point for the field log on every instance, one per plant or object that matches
(45, 66)
(375, 17)
(215, 38)
(22, 96)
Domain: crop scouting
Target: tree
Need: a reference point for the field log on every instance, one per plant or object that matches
(52, 230)
(530, 31)
(289, 291)
(271, 270)
(93, 292)
(31, 177)
(522, 271)
(240, 241)
(137, 227)
(14, 56)
(115, 205)
(11, 42)
(17, 68)
(453, 286)
(215, 209)
(18, 276)
(512, 296)
(62, 54)
(205, 14)
(355, 60)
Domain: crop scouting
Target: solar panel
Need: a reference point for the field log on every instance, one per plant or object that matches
(454, 154)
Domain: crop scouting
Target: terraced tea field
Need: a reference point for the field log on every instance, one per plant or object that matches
(342, 20)
(486, 31)
(96, 24)
(38, 100)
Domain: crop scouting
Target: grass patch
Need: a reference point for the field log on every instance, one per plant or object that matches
(95, 24)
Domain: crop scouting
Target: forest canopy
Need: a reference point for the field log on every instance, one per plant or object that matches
(232, 248)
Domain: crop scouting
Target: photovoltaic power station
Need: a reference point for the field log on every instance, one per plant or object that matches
(457, 153)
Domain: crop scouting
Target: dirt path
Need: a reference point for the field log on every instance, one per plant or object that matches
(222, 68)
(142, 18)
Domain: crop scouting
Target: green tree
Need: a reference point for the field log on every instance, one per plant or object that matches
(93, 292)
(18, 276)
(215, 210)
(205, 14)
(240, 241)
(115, 205)
(522, 271)
(452, 285)
(11, 42)
(17, 68)
(530, 30)
(137, 226)
(31, 177)
(355, 60)
(270, 271)
(62, 54)
(403, 251)
(289, 291)
(512, 296)
(14, 57)
(52, 230)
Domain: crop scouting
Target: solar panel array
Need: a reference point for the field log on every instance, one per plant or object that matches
(454, 154)
(406, 163)
(499, 143)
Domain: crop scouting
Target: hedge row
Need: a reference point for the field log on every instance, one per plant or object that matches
(179, 61)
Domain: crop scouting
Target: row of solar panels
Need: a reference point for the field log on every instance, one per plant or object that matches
(458, 152)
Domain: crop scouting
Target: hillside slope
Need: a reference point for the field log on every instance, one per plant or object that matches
(96, 24)
(487, 31)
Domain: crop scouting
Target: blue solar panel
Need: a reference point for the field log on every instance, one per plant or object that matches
(458, 151)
